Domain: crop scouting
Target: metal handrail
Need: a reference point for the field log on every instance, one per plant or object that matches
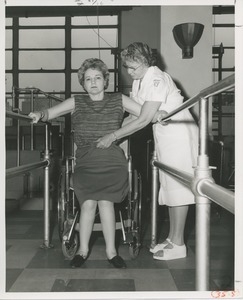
(181, 176)
(214, 89)
(213, 191)
(218, 194)
(11, 172)
(37, 90)
(201, 184)
(13, 115)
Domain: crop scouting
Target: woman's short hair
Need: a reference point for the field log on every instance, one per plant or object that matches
(96, 64)
(139, 52)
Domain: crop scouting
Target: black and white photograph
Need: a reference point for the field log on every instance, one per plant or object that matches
(122, 149)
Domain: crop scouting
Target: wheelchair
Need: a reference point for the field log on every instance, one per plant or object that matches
(128, 213)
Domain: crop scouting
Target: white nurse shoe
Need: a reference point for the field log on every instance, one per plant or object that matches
(159, 246)
(175, 252)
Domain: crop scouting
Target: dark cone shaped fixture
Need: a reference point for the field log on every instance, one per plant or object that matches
(187, 36)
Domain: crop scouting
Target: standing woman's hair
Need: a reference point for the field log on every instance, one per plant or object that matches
(139, 52)
(96, 64)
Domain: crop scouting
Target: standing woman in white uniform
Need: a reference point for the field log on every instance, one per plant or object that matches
(176, 142)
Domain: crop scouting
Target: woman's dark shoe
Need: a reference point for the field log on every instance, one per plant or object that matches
(77, 261)
(117, 262)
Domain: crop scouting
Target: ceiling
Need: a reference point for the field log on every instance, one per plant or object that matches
(83, 10)
(56, 11)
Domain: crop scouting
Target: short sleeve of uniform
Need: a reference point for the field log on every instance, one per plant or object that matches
(157, 90)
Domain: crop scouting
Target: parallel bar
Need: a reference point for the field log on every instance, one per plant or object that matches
(214, 89)
(11, 172)
(202, 178)
(51, 96)
(13, 115)
(211, 190)
(218, 194)
(36, 90)
(181, 176)
(203, 206)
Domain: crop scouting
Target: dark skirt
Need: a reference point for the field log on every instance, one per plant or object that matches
(100, 174)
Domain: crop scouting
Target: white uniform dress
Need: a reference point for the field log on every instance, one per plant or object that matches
(176, 144)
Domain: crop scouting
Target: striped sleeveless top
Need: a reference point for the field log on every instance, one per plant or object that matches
(93, 119)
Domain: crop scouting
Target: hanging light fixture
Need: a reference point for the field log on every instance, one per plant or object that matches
(187, 36)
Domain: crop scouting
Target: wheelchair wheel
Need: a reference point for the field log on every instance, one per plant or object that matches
(134, 246)
(61, 205)
(69, 248)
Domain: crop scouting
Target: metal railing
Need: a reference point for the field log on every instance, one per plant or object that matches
(201, 184)
(32, 91)
(12, 172)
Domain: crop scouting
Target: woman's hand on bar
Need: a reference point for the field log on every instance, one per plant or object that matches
(36, 116)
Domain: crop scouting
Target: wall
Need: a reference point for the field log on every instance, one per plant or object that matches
(195, 74)
(153, 25)
(141, 24)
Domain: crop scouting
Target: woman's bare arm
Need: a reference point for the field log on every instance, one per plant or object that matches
(56, 111)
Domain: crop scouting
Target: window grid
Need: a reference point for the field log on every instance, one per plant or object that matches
(15, 64)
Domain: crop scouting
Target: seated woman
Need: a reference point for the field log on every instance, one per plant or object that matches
(100, 175)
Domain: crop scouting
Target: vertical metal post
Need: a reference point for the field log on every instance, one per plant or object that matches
(51, 140)
(202, 205)
(130, 175)
(46, 243)
(31, 124)
(18, 138)
(154, 197)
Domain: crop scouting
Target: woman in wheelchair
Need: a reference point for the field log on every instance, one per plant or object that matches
(100, 175)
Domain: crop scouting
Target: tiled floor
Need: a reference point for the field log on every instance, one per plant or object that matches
(30, 268)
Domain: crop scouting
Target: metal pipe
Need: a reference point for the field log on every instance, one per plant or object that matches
(209, 189)
(214, 89)
(203, 128)
(50, 96)
(130, 175)
(46, 243)
(202, 205)
(26, 89)
(218, 194)
(18, 139)
(18, 143)
(10, 114)
(31, 124)
(221, 163)
(11, 172)
(154, 197)
(181, 176)
(148, 159)
(67, 180)
(36, 90)
(202, 232)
